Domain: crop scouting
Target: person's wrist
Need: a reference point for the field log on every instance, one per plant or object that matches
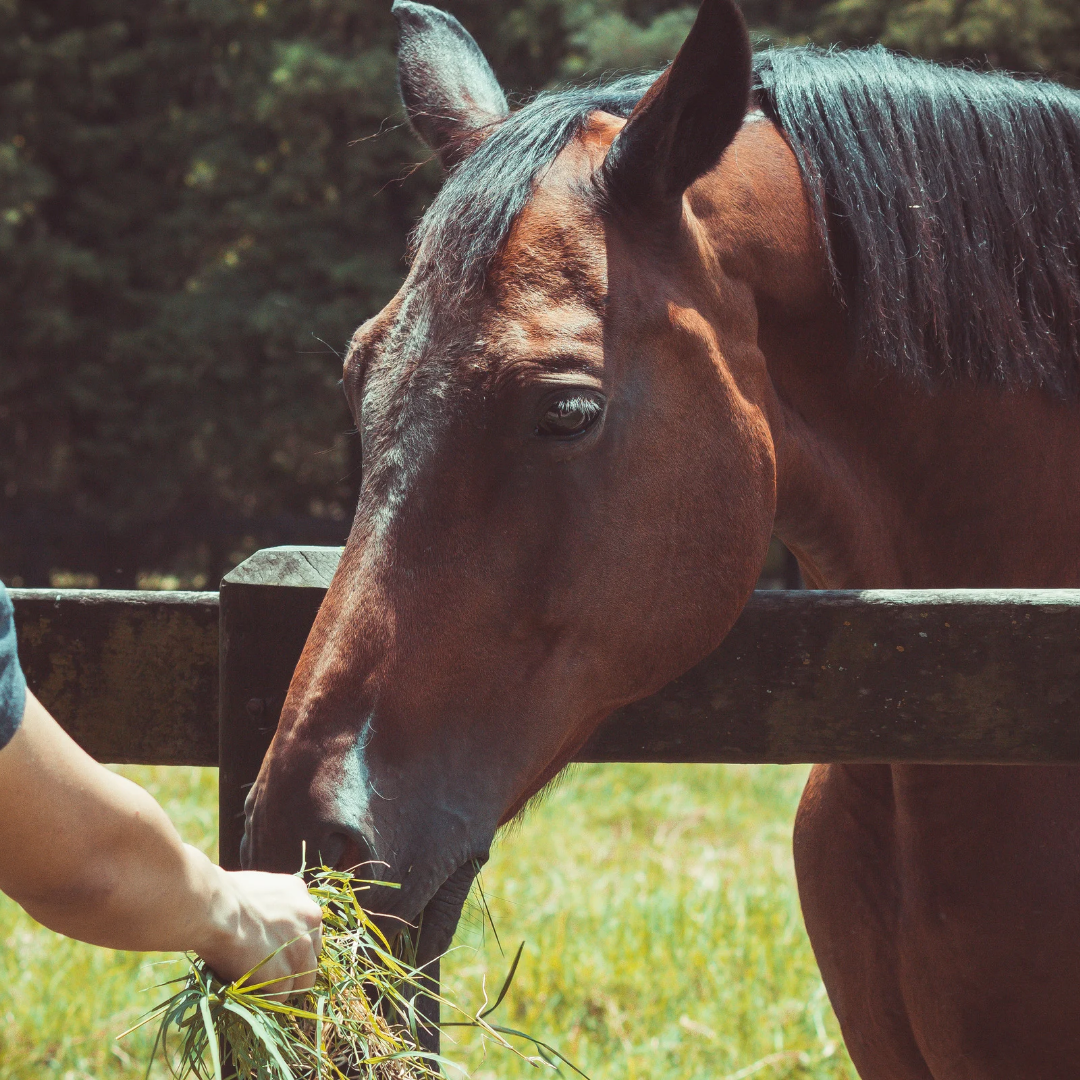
(220, 925)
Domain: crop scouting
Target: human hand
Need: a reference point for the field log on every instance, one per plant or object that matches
(274, 920)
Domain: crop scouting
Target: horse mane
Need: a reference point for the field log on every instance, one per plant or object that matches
(948, 202)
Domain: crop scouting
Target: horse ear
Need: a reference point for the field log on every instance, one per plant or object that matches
(449, 90)
(689, 115)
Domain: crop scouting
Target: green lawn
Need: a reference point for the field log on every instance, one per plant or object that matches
(658, 907)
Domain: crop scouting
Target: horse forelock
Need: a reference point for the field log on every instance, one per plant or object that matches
(459, 238)
(458, 320)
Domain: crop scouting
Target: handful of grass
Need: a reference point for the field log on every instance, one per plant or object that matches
(358, 1022)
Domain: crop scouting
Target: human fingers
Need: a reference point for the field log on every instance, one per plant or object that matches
(275, 936)
(293, 927)
(292, 969)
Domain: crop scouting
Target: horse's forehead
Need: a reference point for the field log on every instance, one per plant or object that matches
(547, 292)
(434, 349)
(544, 294)
(555, 253)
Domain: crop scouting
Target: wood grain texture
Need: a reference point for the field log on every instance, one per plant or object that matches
(954, 676)
(132, 676)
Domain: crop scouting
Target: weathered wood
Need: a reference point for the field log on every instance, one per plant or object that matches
(954, 676)
(959, 675)
(268, 604)
(132, 676)
(888, 676)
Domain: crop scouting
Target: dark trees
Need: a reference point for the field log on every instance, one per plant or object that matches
(201, 199)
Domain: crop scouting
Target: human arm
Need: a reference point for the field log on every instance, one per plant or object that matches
(91, 855)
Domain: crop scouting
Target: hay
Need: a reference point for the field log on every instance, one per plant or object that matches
(357, 1023)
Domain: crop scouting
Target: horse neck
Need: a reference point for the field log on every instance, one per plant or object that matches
(882, 484)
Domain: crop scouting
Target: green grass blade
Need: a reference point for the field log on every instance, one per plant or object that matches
(265, 1034)
(361, 1015)
(506, 983)
(211, 1037)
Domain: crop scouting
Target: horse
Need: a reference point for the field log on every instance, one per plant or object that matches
(648, 324)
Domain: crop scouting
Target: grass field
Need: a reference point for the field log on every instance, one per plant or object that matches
(658, 907)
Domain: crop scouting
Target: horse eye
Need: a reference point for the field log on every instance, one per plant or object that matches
(571, 415)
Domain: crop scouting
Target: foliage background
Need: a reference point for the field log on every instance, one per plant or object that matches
(201, 199)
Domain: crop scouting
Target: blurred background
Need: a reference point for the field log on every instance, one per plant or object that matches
(201, 199)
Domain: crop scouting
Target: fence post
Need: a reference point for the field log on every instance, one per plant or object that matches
(268, 604)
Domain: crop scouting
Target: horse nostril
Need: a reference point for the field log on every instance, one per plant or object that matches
(344, 851)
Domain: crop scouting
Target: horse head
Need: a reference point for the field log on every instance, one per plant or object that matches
(568, 471)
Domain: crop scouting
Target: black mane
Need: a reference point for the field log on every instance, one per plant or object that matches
(948, 201)
(465, 226)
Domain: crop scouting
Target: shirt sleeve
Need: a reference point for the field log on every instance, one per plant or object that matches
(12, 681)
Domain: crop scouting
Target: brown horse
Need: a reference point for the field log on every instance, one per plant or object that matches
(647, 325)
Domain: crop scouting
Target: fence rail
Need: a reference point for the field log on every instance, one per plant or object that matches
(132, 676)
(959, 676)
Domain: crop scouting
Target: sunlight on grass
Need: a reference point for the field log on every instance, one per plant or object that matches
(663, 932)
(657, 903)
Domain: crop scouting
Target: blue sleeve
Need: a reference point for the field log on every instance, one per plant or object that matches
(12, 681)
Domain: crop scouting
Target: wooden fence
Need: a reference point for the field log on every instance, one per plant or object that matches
(950, 676)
